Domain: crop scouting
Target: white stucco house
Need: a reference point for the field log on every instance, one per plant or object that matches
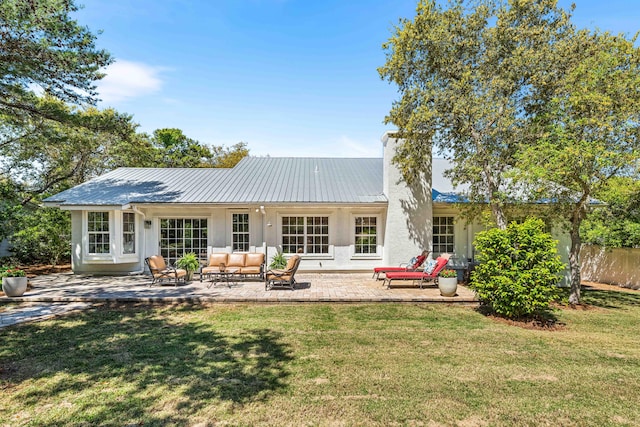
(341, 214)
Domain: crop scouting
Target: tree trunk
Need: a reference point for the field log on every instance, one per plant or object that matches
(494, 200)
(574, 263)
(499, 216)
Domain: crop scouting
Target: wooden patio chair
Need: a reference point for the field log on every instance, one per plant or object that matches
(282, 278)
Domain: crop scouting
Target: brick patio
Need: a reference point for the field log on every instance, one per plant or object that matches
(311, 287)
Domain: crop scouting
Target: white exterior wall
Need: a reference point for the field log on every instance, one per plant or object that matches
(409, 219)
(112, 263)
(265, 233)
(341, 256)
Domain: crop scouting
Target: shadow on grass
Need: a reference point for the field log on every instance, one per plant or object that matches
(610, 299)
(139, 365)
(543, 319)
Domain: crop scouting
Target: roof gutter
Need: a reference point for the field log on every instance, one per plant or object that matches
(136, 210)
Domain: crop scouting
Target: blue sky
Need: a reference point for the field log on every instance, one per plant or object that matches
(288, 77)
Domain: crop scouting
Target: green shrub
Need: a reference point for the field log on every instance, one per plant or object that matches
(518, 271)
(44, 236)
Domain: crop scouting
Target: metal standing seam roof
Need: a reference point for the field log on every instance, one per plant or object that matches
(253, 180)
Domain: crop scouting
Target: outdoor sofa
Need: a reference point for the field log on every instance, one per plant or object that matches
(250, 264)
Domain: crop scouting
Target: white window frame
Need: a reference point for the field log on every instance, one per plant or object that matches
(123, 232)
(234, 233)
(453, 235)
(108, 233)
(204, 250)
(378, 253)
(306, 214)
(116, 253)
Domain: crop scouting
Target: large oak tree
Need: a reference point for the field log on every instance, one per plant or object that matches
(588, 134)
(515, 95)
(468, 79)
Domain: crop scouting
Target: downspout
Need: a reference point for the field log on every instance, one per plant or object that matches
(264, 237)
(138, 211)
(144, 239)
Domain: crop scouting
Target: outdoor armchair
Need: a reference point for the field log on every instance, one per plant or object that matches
(160, 271)
(284, 277)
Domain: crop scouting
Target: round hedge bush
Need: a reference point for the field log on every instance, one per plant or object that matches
(519, 269)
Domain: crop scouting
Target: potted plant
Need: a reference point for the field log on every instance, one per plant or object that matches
(189, 262)
(278, 261)
(14, 281)
(448, 282)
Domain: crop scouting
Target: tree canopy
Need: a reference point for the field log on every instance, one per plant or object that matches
(616, 223)
(51, 135)
(42, 47)
(588, 133)
(516, 97)
(42, 156)
(468, 80)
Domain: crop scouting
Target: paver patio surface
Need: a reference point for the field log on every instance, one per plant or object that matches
(311, 287)
(57, 294)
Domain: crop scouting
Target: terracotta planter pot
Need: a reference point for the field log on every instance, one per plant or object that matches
(448, 286)
(14, 286)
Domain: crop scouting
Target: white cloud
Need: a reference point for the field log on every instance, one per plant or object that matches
(126, 79)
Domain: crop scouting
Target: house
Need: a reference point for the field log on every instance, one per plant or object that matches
(341, 214)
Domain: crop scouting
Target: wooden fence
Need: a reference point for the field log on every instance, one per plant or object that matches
(617, 266)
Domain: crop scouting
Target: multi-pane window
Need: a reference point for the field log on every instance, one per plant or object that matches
(317, 235)
(179, 236)
(366, 233)
(240, 232)
(128, 233)
(443, 234)
(308, 234)
(98, 232)
(292, 234)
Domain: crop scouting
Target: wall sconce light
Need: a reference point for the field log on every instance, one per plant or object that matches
(147, 223)
(269, 224)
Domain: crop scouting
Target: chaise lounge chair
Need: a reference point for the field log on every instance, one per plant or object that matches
(160, 271)
(414, 266)
(421, 277)
(282, 278)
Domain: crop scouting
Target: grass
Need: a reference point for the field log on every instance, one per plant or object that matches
(364, 365)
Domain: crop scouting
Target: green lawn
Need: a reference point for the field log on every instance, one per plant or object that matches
(316, 364)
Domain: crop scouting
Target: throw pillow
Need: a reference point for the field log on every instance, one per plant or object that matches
(430, 266)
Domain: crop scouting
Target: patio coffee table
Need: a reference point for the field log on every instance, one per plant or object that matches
(222, 276)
